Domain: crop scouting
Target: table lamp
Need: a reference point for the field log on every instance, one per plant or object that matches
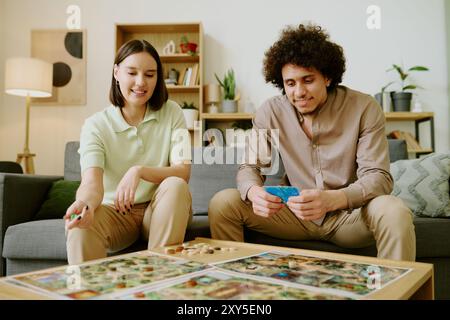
(212, 96)
(28, 77)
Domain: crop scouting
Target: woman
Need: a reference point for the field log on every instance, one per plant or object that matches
(135, 163)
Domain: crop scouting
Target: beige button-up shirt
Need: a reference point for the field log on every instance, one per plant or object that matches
(348, 150)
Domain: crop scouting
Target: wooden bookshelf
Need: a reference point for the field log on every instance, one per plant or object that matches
(408, 116)
(227, 116)
(417, 118)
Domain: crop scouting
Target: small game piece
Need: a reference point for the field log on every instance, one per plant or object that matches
(292, 264)
(217, 248)
(191, 283)
(148, 269)
(179, 249)
(139, 295)
(73, 216)
(210, 251)
(170, 251)
(120, 285)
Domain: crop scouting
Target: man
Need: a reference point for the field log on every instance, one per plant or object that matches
(333, 146)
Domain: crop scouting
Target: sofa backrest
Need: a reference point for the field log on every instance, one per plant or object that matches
(207, 179)
(72, 170)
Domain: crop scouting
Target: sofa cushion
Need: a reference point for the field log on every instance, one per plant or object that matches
(42, 239)
(423, 184)
(60, 196)
(46, 240)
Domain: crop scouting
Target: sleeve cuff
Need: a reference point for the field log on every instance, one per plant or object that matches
(243, 189)
(354, 194)
(90, 161)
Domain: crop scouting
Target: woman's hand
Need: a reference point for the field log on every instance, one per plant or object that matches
(126, 190)
(79, 215)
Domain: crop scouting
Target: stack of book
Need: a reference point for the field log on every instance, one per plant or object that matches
(189, 76)
(411, 142)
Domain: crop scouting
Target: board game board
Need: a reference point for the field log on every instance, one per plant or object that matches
(266, 275)
(217, 284)
(100, 279)
(355, 279)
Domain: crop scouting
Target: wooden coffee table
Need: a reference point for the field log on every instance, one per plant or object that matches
(416, 284)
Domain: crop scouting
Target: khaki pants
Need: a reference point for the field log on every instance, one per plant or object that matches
(384, 220)
(162, 221)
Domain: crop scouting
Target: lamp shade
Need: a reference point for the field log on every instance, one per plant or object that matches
(212, 93)
(28, 76)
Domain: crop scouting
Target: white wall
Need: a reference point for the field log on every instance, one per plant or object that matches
(236, 35)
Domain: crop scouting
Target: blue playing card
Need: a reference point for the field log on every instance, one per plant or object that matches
(284, 192)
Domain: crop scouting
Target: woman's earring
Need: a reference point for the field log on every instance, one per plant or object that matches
(117, 83)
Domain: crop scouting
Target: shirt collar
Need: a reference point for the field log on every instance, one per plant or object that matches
(119, 124)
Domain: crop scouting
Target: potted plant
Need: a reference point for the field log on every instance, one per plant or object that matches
(401, 100)
(190, 114)
(228, 84)
(384, 98)
(188, 47)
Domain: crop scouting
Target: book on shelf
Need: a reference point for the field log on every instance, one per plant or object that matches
(194, 75)
(187, 76)
(411, 142)
(181, 77)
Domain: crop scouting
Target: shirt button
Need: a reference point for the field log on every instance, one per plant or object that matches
(314, 146)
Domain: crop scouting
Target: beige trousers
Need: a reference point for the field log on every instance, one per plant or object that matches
(384, 220)
(162, 221)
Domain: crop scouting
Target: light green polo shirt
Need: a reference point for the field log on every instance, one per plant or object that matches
(107, 141)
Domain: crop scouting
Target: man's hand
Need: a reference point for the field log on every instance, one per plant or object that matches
(79, 215)
(314, 204)
(124, 198)
(264, 204)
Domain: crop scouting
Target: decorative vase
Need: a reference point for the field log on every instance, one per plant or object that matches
(191, 115)
(229, 106)
(401, 101)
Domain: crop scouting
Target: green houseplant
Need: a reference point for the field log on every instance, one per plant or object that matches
(228, 84)
(190, 112)
(401, 100)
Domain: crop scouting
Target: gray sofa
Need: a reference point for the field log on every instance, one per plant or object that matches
(29, 244)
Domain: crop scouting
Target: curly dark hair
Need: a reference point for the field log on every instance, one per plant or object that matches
(305, 46)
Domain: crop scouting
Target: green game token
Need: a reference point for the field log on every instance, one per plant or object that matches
(73, 216)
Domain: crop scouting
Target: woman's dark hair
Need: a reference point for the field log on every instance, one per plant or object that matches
(305, 46)
(160, 94)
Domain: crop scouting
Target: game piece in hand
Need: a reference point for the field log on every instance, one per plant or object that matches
(283, 192)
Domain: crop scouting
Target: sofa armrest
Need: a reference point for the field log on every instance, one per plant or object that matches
(21, 197)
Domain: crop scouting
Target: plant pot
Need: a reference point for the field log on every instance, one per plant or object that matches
(401, 101)
(191, 115)
(229, 106)
(188, 47)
